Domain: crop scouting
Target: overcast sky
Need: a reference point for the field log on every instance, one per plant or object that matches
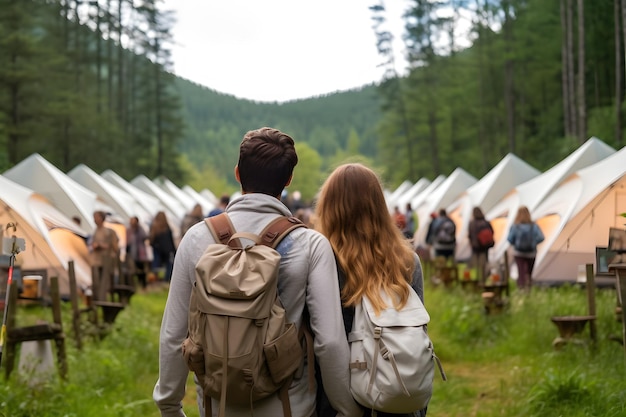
(279, 50)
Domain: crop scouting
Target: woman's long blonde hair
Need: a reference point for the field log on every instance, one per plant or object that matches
(352, 213)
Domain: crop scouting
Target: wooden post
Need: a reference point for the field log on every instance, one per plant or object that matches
(506, 277)
(591, 300)
(620, 274)
(75, 307)
(55, 296)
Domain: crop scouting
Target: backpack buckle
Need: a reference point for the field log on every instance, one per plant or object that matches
(378, 331)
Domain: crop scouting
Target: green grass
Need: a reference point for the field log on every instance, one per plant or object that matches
(497, 365)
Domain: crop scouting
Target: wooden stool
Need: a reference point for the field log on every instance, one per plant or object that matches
(110, 310)
(43, 331)
(569, 327)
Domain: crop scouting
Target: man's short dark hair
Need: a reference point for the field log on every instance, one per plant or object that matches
(267, 158)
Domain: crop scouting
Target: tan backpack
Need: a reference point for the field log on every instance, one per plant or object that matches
(239, 344)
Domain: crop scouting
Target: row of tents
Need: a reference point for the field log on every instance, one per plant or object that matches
(575, 203)
(42, 202)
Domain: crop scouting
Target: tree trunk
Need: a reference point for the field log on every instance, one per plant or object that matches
(13, 135)
(98, 60)
(120, 67)
(509, 87)
(582, 109)
(110, 66)
(567, 122)
(620, 139)
(570, 69)
(434, 146)
(618, 73)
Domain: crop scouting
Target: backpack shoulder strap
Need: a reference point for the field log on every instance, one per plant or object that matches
(278, 229)
(220, 227)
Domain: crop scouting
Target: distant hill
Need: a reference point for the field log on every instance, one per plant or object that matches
(216, 122)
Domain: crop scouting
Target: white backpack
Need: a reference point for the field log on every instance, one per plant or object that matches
(392, 360)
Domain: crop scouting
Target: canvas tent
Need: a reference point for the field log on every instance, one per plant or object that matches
(508, 173)
(124, 204)
(206, 204)
(71, 198)
(183, 198)
(532, 192)
(52, 239)
(174, 211)
(575, 218)
(409, 194)
(149, 203)
(207, 194)
(393, 196)
(449, 190)
(422, 195)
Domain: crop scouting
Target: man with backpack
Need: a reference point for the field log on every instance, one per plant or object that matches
(307, 287)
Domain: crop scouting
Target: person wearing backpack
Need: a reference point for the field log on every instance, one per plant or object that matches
(480, 234)
(444, 235)
(524, 235)
(372, 257)
(307, 288)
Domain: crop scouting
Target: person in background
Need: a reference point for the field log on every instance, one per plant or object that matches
(162, 242)
(191, 218)
(524, 235)
(307, 285)
(221, 207)
(411, 222)
(136, 251)
(104, 251)
(371, 251)
(399, 219)
(430, 231)
(480, 252)
(443, 235)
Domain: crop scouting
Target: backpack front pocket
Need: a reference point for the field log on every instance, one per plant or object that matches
(283, 354)
(194, 356)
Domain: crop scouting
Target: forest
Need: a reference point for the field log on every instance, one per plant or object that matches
(91, 81)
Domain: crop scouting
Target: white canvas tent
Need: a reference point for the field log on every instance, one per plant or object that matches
(395, 194)
(576, 217)
(206, 204)
(150, 204)
(444, 195)
(508, 173)
(411, 193)
(71, 198)
(183, 198)
(422, 195)
(206, 193)
(531, 193)
(52, 239)
(173, 210)
(124, 204)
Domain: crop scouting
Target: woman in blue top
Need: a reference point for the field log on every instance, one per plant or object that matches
(524, 235)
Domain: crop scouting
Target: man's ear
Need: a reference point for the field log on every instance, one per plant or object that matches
(237, 174)
(289, 180)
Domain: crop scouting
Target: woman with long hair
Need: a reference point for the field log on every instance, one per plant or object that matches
(371, 251)
(163, 246)
(524, 235)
